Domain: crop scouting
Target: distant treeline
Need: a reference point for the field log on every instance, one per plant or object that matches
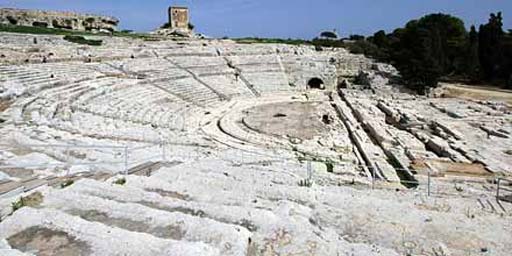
(438, 47)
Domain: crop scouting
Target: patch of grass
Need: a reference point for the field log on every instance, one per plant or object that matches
(120, 181)
(66, 183)
(82, 40)
(251, 40)
(32, 200)
(40, 30)
(64, 32)
(131, 34)
(5, 104)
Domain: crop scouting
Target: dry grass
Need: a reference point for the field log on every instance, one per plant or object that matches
(4, 104)
(477, 92)
(446, 168)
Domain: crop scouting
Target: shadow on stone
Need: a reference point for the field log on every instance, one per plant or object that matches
(46, 242)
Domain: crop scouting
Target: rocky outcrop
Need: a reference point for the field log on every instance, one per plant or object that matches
(175, 32)
(62, 20)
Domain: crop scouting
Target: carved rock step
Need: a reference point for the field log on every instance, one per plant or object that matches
(32, 229)
(248, 218)
(229, 239)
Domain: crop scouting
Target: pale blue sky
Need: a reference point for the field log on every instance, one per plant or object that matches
(279, 18)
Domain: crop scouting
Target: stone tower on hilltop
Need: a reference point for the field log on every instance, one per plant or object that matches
(179, 17)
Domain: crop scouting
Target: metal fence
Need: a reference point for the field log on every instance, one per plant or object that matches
(120, 158)
(504, 189)
(65, 156)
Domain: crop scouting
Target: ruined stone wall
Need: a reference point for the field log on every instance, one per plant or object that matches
(332, 66)
(301, 69)
(53, 19)
(178, 17)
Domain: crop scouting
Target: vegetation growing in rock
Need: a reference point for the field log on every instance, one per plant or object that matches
(66, 183)
(31, 200)
(82, 40)
(16, 205)
(120, 181)
(329, 165)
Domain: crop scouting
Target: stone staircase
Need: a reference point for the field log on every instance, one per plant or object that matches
(194, 209)
(101, 218)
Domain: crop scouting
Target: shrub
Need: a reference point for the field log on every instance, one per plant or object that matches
(356, 37)
(330, 166)
(166, 25)
(327, 43)
(17, 205)
(120, 181)
(66, 183)
(90, 19)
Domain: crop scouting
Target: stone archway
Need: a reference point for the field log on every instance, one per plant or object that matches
(316, 83)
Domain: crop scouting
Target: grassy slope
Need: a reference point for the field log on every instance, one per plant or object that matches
(65, 32)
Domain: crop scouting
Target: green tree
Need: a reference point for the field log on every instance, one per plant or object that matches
(427, 49)
(380, 39)
(416, 58)
(472, 61)
(329, 34)
(437, 46)
(490, 48)
(356, 37)
(507, 59)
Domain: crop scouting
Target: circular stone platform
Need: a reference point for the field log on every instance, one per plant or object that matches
(294, 119)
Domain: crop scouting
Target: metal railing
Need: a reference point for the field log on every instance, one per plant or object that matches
(125, 156)
(67, 155)
(503, 193)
